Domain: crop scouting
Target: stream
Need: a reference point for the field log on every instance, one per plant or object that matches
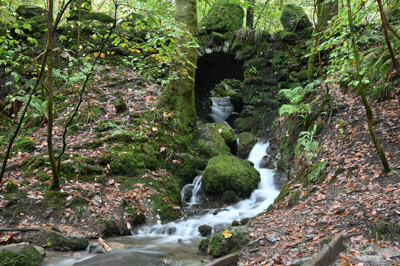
(178, 240)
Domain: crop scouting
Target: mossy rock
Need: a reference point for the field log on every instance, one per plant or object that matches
(56, 241)
(87, 15)
(38, 25)
(11, 187)
(205, 230)
(226, 172)
(23, 254)
(284, 191)
(227, 134)
(294, 197)
(228, 197)
(289, 37)
(209, 149)
(307, 32)
(220, 246)
(25, 145)
(211, 142)
(294, 19)
(29, 11)
(245, 221)
(120, 106)
(128, 163)
(203, 246)
(223, 16)
(246, 144)
(185, 167)
(302, 75)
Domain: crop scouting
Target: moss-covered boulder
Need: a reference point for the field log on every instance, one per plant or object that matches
(226, 172)
(30, 11)
(22, 254)
(211, 142)
(227, 134)
(129, 163)
(203, 246)
(55, 241)
(37, 25)
(88, 15)
(209, 149)
(294, 19)
(185, 167)
(25, 145)
(228, 197)
(246, 143)
(223, 17)
(222, 243)
(302, 75)
(205, 230)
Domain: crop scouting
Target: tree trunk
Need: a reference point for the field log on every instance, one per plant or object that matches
(56, 181)
(385, 31)
(179, 94)
(369, 114)
(250, 15)
(325, 12)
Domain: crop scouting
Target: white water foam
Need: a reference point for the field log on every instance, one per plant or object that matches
(195, 188)
(259, 201)
(221, 109)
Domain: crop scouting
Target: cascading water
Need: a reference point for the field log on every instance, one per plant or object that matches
(178, 240)
(220, 110)
(259, 200)
(194, 190)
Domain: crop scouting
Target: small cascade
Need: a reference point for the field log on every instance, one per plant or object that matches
(220, 110)
(190, 192)
(259, 200)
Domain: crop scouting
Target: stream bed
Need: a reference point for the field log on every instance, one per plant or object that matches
(178, 240)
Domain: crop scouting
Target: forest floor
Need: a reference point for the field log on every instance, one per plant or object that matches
(355, 199)
(29, 207)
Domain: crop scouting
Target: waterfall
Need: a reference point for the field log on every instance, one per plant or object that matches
(194, 189)
(220, 110)
(259, 200)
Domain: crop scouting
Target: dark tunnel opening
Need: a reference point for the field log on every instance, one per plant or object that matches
(211, 70)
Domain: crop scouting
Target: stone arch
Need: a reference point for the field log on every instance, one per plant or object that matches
(212, 68)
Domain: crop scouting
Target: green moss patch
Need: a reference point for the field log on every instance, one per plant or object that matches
(219, 245)
(28, 256)
(223, 17)
(294, 18)
(246, 143)
(25, 145)
(185, 167)
(88, 15)
(226, 172)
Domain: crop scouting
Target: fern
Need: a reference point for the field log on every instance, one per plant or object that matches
(287, 108)
(295, 96)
